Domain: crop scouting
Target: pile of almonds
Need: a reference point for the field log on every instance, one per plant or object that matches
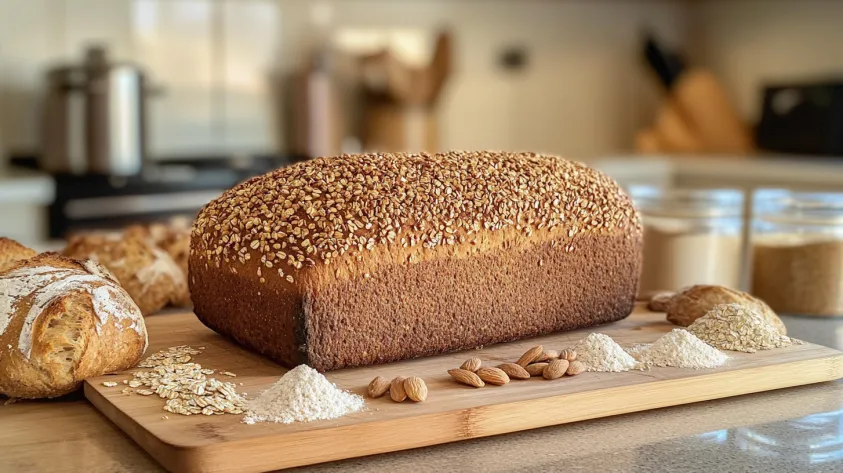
(400, 388)
(549, 364)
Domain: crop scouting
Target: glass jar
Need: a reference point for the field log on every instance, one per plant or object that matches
(797, 251)
(691, 236)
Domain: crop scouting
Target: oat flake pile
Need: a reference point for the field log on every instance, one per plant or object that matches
(738, 328)
(302, 395)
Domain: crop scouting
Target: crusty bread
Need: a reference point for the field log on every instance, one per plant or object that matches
(693, 302)
(174, 238)
(11, 252)
(62, 321)
(364, 259)
(147, 272)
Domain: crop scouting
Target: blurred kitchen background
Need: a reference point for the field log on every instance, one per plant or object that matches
(116, 111)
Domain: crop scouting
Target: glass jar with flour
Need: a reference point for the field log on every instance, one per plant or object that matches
(797, 251)
(691, 236)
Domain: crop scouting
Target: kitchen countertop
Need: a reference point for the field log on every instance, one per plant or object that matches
(795, 429)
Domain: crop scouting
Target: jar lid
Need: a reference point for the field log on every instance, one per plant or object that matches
(811, 208)
(688, 202)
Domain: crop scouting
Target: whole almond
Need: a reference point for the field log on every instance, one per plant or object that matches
(378, 387)
(568, 354)
(575, 368)
(530, 355)
(555, 369)
(471, 364)
(536, 369)
(466, 377)
(415, 388)
(396, 389)
(547, 355)
(494, 376)
(514, 371)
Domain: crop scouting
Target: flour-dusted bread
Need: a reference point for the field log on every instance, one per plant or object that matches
(62, 321)
(147, 272)
(11, 252)
(364, 259)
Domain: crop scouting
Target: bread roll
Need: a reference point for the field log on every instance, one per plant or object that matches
(147, 273)
(62, 321)
(364, 259)
(11, 252)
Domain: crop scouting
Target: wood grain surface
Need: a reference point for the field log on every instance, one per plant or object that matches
(451, 413)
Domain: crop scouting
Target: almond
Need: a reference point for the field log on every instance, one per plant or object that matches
(471, 364)
(378, 387)
(396, 389)
(415, 388)
(555, 369)
(547, 355)
(514, 371)
(493, 376)
(530, 355)
(466, 377)
(536, 369)
(568, 354)
(575, 368)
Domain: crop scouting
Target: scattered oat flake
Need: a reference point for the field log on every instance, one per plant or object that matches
(109, 384)
(165, 417)
(10, 401)
(228, 373)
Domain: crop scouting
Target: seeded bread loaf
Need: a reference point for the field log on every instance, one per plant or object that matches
(364, 259)
(62, 321)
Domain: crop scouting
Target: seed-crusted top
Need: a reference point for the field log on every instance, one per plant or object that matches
(328, 209)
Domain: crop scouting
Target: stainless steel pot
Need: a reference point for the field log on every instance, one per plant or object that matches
(94, 117)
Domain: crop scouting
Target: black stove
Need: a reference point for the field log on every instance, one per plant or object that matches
(165, 189)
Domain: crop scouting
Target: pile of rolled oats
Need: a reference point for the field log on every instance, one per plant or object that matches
(185, 385)
(738, 328)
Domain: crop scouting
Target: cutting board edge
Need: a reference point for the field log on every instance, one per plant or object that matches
(460, 424)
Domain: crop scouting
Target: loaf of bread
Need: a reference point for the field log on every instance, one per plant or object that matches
(147, 272)
(364, 259)
(11, 252)
(173, 238)
(62, 321)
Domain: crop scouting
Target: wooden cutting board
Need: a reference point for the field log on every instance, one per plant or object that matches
(452, 412)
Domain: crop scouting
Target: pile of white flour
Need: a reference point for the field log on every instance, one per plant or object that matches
(302, 395)
(598, 352)
(681, 349)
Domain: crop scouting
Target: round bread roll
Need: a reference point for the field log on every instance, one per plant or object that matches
(62, 321)
(11, 252)
(147, 272)
(694, 302)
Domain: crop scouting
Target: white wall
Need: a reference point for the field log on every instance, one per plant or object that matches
(584, 94)
(748, 42)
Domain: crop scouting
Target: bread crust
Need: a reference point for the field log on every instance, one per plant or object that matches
(147, 272)
(569, 257)
(63, 321)
(11, 252)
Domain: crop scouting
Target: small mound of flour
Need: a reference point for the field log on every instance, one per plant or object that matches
(301, 395)
(598, 352)
(681, 349)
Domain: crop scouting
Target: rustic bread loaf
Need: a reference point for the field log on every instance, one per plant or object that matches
(174, 238)
(11, 252)
(364, 259)
(147, 272)
(62, 321)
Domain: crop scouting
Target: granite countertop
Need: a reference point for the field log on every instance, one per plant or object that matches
(795, 429)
